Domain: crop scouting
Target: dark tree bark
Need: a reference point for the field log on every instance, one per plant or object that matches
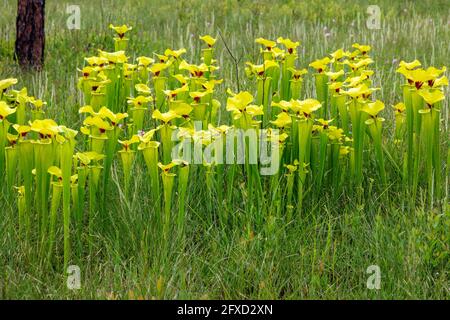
(30, 36)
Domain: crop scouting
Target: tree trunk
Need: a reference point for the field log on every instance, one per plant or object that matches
(30, 36)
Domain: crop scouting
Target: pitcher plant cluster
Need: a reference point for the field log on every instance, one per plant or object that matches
(265, 152)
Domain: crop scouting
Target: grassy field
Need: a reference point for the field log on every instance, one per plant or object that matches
(325, 252)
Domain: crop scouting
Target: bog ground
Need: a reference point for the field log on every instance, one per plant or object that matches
(367, 195)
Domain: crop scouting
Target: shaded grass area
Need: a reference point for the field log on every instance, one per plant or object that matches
(324, 255)
(326, 252)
